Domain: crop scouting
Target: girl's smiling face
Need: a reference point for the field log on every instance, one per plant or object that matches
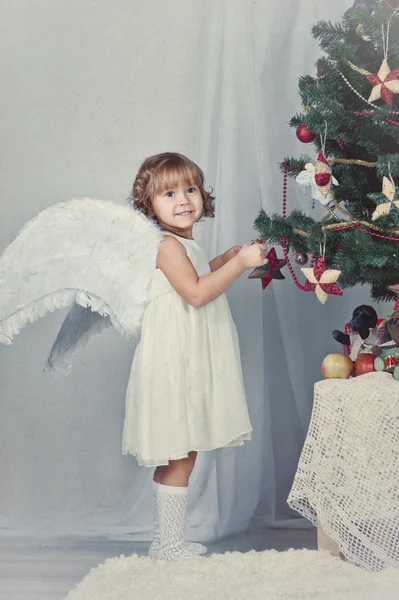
(169, 187)
(178, 207)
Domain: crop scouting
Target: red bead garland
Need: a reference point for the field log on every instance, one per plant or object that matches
(379, 235)
(373, 233)
(365, 113)
(368, 113)
(283, 240)
(390, 6)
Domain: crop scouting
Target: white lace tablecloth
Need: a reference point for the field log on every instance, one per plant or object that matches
(348, 472)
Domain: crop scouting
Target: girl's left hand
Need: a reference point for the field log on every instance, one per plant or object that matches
(230, 253)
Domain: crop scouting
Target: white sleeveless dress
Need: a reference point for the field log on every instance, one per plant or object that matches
(186, 389)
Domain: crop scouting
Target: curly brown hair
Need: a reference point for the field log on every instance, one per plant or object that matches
(163, 171)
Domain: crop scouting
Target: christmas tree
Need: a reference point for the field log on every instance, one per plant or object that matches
(351, 114)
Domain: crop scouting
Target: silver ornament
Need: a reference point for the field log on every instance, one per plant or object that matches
(301, 258)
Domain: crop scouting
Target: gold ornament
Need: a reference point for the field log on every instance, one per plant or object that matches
(352, 224)
(357, 69)
(348, 161)
(359, 30)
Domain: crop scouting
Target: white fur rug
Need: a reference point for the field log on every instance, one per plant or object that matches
(270, 575)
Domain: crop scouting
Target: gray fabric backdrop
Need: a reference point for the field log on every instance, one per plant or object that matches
(90, 89)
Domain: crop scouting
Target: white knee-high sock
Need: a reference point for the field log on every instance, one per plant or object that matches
(172, 505)
(154, 548)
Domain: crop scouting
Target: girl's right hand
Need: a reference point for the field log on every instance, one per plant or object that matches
(252, 256)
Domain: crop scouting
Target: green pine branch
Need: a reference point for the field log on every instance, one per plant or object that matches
(355, 134)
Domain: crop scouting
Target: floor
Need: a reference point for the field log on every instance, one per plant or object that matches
(49, 569)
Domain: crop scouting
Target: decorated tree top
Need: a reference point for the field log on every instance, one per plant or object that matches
(351, 114)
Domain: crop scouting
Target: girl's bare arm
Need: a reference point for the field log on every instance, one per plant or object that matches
(198, 291)
(216, 263)
(219, 261)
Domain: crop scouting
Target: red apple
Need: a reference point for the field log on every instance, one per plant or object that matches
(364, 364)
(336, 366)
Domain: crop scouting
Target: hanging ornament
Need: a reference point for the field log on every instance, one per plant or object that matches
(323, 174)
(304, 135)
(301, 258)
(270, 271)
(385, 82)
(359, 30)
(319, 177)
(388, 188)
(360, 33)
(322, 281)
(388, 192)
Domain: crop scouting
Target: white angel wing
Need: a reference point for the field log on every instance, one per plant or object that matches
(306, 176)
(78, 327)
(92, 253)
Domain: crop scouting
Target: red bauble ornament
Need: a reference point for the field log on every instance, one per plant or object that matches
(364, 364)
(322, 179)
(304, 135)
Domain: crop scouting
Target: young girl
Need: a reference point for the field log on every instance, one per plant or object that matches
(186, 391)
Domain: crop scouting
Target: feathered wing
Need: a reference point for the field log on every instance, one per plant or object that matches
(79, 326)
(95, 255)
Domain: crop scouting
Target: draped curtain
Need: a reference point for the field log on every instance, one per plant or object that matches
(90, 89)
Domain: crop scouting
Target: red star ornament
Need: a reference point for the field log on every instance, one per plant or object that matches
(322, 281)
(385, 84)
(265, 273)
